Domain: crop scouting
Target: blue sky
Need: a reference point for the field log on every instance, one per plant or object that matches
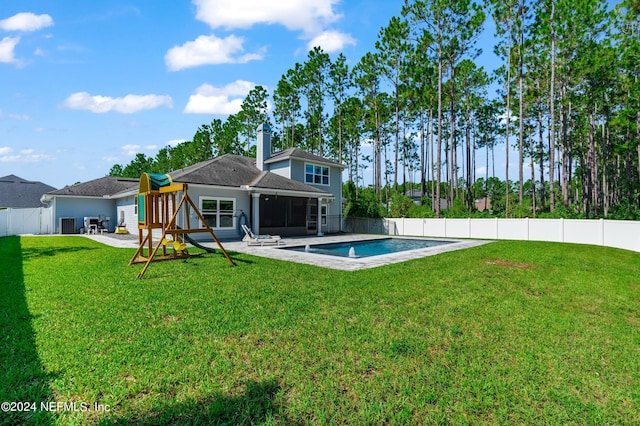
(87, 84)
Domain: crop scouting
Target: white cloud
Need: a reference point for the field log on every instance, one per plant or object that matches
(19, 116)
(300, 15)
(331, 41)
(503, 118)
(24, 156)
(71, 47)
(175, 142)
(26, 21)
(218, 100)
(130, 149)
(133, 149)
(126, 105)
(209, 50)
(7, 47)
(366, 143)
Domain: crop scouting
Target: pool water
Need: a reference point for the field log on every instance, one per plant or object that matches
(370, 247)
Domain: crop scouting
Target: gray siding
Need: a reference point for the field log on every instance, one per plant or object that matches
(128, 207)
(294, 168)
(282, 168)
(242, 199)
(334, 187)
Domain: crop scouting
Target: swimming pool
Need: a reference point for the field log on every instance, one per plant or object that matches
(360, 249)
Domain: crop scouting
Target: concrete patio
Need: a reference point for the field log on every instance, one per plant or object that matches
(325, 261)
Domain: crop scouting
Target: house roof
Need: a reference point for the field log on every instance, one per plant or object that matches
(269, 180)
(237, 171)
(16, 192)
(301, 155)
(414, 193)
(227, 170)
(100, 187)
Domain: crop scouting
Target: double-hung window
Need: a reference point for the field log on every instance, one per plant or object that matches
(315, 174)
(218, 212)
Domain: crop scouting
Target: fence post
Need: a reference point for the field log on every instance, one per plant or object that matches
(527, 224)
(562, 229)
(601, 232)
(497, 234)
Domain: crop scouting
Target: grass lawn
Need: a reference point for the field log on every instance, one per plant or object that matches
(509, 332)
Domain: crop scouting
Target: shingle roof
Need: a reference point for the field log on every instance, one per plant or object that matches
(268, 180)
(300, 154)
(236, 171)
(100, 187)
(227, 170)
(16, 192)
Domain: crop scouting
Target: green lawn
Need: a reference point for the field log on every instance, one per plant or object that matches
(505, 333)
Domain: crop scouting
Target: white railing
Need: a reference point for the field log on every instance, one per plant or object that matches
(25, 221)
(611, 233)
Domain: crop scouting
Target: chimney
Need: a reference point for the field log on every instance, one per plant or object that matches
(263, 146)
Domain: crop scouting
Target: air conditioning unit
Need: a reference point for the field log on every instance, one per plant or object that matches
(68, 225)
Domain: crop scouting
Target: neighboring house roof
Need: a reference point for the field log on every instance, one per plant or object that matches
(415, 193)
(100, 187)
(16, 192)
(301, 155)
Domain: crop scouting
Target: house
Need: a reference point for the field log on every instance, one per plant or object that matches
(292, 192)
(19, 193)
(91, 199)
(416, 197)
(483, 204)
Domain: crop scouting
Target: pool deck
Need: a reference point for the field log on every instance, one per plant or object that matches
(325, 261)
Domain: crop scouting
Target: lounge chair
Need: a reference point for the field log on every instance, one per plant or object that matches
(255, 240)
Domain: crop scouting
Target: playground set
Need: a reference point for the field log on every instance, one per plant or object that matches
(158, 209)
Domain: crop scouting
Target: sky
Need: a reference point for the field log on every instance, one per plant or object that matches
(86, 84)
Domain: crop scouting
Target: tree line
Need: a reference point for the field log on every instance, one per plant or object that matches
(567, 107)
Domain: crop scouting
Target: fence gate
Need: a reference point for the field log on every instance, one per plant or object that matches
(25, 221)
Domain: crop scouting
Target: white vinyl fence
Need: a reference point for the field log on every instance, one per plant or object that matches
(611, 233)
(25, 221)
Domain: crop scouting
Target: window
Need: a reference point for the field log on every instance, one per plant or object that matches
(218, 212)
(315, 174)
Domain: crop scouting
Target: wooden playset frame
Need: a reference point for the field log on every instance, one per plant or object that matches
(158, 208)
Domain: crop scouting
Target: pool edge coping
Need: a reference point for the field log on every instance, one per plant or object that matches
(346, 263)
